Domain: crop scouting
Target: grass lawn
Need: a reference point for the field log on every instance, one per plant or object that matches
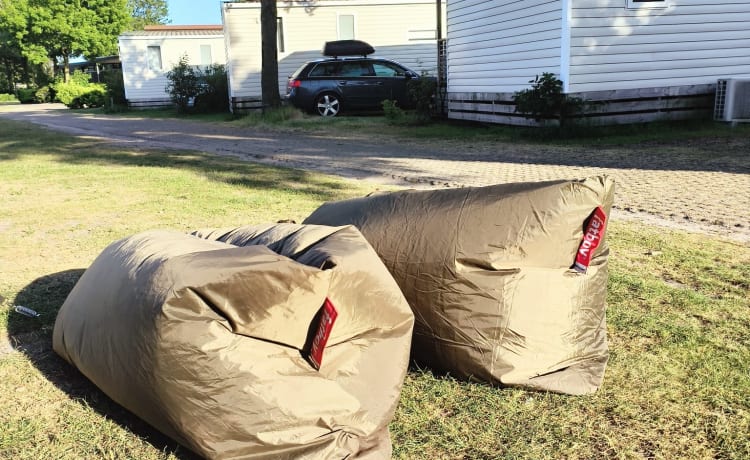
(677, 385)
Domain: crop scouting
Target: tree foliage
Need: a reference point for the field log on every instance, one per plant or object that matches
(59, 29)
(147, 12)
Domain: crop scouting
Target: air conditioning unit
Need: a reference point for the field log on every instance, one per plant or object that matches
(732, 101)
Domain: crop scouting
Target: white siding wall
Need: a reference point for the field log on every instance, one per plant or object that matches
(498, 46)
(142, 83)
(691, 42)
(386, 24)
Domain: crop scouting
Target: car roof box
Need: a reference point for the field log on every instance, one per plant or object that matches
(347, 48)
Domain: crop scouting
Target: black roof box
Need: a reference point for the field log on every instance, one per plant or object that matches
(347, 48)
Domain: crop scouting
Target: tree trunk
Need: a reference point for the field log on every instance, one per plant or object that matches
(269, 76)
(66, 68)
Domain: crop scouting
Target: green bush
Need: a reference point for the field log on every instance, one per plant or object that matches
(545, 100)
(79, 92)
(422, 94)
(8, 98)
(27, 95)
(184, 84)
(44, 94)
(214, 92)
(94, 96)
(76, 97)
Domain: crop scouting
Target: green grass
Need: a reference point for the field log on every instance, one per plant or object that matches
(677, 385)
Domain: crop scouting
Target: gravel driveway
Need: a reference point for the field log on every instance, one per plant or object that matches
(704, 188)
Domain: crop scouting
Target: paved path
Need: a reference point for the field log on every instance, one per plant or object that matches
(661, 185)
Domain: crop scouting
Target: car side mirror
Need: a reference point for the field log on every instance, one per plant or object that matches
(410, 74)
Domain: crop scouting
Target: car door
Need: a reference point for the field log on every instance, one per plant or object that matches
(393, 78)
(361, 89)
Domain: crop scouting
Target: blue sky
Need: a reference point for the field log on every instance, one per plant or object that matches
(184, 12)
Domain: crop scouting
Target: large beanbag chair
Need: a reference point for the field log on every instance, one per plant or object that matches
(295, 348)
(507, 282)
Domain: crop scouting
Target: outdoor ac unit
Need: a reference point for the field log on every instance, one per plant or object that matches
(732, 100)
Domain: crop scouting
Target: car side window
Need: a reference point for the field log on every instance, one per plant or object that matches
(386, 69)
(324, 69)
(354, 69)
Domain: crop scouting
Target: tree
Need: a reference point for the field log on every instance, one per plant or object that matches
(59, 29)
(147, 12)
(269, 75)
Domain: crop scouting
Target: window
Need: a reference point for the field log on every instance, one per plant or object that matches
(153, 54)
(206, 55)
(636, 4)
(280, 34)
(386, 69)
(346, 27)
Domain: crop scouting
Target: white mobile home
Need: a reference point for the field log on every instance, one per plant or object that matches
(404, 31)
(642, 59)
(148, 55)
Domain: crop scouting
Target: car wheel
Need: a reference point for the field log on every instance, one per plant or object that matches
(328, 105)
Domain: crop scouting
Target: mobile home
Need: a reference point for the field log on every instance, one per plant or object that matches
(148, 55)
(638, 60)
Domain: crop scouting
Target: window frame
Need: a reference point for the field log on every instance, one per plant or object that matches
(647, 4)
(202, 48)
(280, 34)
(338, 26)
(150, 55)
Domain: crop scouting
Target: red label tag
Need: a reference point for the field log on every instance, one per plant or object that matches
(592, 236)
(328, 316)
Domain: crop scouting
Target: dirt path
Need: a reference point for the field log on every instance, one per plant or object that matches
(704, 188)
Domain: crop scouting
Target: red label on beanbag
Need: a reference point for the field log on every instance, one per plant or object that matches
(327, 318)
(592, 236)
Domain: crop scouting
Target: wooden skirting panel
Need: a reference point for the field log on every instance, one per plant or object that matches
(246, 104)
(601, 107)
(149, 103)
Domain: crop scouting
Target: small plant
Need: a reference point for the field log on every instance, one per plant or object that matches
(184, 84)
(393, 113)
(545, 100)
(8, 98)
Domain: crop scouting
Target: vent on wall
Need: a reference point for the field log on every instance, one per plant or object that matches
(732, 101)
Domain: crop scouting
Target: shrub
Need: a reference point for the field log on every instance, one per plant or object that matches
(184, 84)
(44, 94)
(545, 100)
(27, 95)
(93, 96)
(422, 94)
(8, 98)
(214, 92)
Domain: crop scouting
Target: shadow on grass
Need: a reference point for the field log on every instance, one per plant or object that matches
(33, 337)
(22, 138)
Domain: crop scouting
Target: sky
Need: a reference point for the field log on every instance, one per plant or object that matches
(194, 12)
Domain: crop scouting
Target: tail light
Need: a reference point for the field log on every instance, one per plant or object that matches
(294, 84)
